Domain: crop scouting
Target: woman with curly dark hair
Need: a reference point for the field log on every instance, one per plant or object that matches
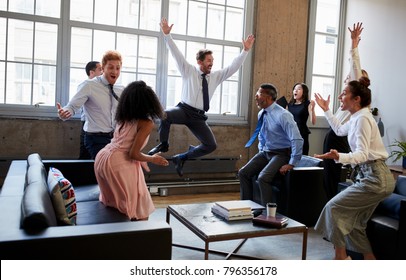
(118, 166)
(344, 218)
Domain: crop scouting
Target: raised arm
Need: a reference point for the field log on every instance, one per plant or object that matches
(355, 61)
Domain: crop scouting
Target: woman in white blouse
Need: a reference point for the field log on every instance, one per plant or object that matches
(344, 218)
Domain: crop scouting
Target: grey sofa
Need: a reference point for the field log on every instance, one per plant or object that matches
(30, 228)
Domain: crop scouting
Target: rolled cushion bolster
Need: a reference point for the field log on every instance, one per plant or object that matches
(36, 207)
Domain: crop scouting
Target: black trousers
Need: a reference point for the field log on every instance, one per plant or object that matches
(332, 170)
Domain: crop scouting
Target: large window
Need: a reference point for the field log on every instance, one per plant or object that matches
(325, 44)
(45, 45)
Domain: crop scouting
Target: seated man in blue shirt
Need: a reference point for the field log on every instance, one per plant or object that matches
(279, 143)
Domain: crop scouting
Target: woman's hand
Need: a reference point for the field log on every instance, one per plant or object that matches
(333, 154)
(324, 104)
(159, 160)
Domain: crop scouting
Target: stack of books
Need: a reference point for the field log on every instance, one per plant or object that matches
(232, 210)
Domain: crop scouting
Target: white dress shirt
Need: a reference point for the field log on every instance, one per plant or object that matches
(363, 137)
(192, 79)
(355, 74)
(99, 105)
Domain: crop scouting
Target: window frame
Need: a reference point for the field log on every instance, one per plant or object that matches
(340, 58)
(63, 63)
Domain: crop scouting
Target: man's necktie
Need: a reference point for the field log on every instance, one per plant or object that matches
(257, 129)
(206, 102)
(112, 92)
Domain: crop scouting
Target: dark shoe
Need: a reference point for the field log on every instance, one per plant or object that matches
(178, 162)
(160, 148)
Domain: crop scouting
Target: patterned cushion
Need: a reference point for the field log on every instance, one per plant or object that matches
(63, 197)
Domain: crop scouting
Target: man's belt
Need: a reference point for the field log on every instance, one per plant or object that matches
(104, 134)
(188, 107)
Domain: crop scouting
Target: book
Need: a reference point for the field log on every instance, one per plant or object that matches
(238, 205)
(278, 221)
(235, 213)
(222, 214)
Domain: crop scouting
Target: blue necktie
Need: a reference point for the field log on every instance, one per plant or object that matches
(206, 102)
(257, 129)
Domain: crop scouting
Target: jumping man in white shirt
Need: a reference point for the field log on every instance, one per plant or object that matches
(190, 111)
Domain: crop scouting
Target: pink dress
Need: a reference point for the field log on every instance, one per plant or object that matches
(121, 179)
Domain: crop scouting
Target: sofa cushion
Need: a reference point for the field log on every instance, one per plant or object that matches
(37, 211)
(87, 193)
(63, 197)
(95, 212)
(401, 185)
(390, 206)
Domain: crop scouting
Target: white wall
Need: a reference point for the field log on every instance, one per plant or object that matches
(383, 56)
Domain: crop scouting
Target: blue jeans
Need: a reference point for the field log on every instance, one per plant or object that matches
(265, 166)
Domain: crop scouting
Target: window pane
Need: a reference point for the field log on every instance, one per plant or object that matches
(20, 43)
(196, 19)
(126, 78)
(105, 12)
(106, 40)
(44, 85)
(325, 50)
(2, 38)
(127, 44)
(215, 101)
(174, 91)
(128, 13)
(81, 46)
(76, 77)
(327, 17)
(191, 49)
(178, 15)
(3, 5)
(18, 83)
(150, 15)
(217, 56)
(229, 101)
(49, 8)
(150, 80)
(21, 6)
(221, 2)
(229, 54)
(148, 55)
(325, 87)
(236, 3)
(234, 24)
(45, 43)
(215, 22)
(81, 10)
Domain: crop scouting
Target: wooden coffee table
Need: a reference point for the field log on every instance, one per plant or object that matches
(201, 221)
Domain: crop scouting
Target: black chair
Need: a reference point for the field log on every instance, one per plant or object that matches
(387, 227)
(300, 193)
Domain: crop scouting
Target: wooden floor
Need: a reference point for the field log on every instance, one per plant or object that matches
(164, 201)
